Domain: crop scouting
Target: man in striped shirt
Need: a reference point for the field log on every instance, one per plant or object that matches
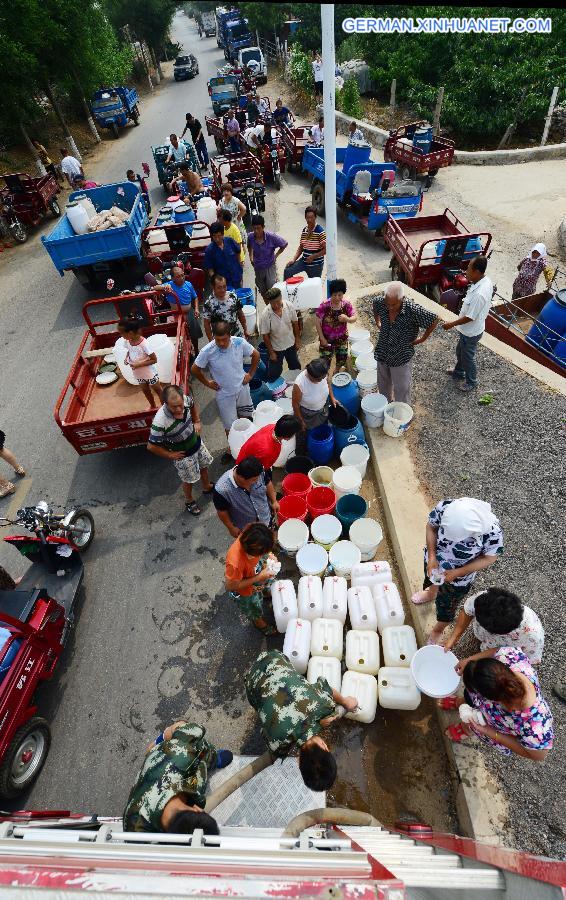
(310, 254)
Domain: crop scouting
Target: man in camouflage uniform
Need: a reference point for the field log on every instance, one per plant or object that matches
(169, 792)
(292, 714)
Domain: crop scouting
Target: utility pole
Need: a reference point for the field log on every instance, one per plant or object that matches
(328, 69)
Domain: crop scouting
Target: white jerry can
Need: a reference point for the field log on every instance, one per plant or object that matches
(397, 688)
(399, 645)
(310, 597)
(370, 573)
(327, 638)
(297, 644)
(362, 652)
(388, 605)
(335, 598)
(364, 688)
(284, 600)
(362, 609)
(325, 667)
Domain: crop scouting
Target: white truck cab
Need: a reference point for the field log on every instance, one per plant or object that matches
(255, 60)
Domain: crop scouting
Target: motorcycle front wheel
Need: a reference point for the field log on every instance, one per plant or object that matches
(18, 231)
(81, 529)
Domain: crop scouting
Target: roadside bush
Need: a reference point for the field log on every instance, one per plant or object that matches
(351, 103)
(299, 71)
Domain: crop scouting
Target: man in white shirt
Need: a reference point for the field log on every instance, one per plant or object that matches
(355, 134)
(70, 166)
(317, 75)
(471, 323)
(253, 136)
(317, 133)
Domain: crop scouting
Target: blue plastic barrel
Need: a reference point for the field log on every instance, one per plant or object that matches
(353, 433)
(246, 295)
(422, 139)
(263, 353)
(473, 248)
(560, 353)
(259, 391)
(184, 215)
(260, 372)
(320, 444)
(355, 155)
(349, 508)
(550, 325)
(346, 391)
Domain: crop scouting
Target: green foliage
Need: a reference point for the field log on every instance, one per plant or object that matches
(351, 103)
(265, 17)
(149, 20)
(300, 69)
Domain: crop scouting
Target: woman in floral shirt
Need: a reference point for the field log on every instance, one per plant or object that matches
(504, 688)
(462, 537)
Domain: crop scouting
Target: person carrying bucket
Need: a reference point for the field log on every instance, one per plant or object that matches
(312, 396)
(249, 573)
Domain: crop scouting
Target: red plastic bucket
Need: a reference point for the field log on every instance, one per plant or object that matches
(296, 483)
(321, 501)
(292, 507)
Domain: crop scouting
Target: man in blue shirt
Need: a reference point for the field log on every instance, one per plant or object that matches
(181, 289)
(282, 115)
(222, 257)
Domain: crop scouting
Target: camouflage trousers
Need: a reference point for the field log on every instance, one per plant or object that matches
(252, 605)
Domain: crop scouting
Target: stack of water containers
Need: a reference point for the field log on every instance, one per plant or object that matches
(313, 620)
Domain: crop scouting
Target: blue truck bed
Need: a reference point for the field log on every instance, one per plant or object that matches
(313, 162)
(74, 251)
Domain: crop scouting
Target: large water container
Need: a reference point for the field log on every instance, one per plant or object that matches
(284, 599)
(473, 247)
(320, 443)
(292, 535)
(266, 413)
(362, 609)
(373, 406)
(399, 645)
(327, 638)
(356, 154)
(326, 530)
(246, 296)
(259, 391)
(550, 324)
(335, 598)
(355, 455)
(349, 509)
(367, 535)
(301, 293)
(310, 597)
(346, 392)
(206, 210)
(77, 216)
(327, 667)
(120, 352)
(86, 203)
(351, 433)
(362, 652)
(397, 689)
(164, 350)
(343, 556)
(422, 138)
(364, 688)
(240, 431)
(367, 382)
(347, 480)
(312, 559)
(388, 605)
(371, 573)
(297, 643)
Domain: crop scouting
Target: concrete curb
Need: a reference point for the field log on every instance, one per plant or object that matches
(377, 137)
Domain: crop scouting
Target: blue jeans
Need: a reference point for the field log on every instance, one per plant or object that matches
(202, 151)
(314, 271)
(274, 368)
(235, 146)
(466, 358)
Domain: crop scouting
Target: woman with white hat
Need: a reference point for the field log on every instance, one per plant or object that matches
(462, 537)
(529, 270)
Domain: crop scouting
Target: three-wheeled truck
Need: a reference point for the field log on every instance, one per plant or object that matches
(430, 251)
(224, 93)
(416, 150)
(295, 139)
(114, 107)
(365, 190)
(29, 200)
(167, 171)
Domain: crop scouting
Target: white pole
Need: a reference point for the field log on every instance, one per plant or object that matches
(328, 68)
(548, 119)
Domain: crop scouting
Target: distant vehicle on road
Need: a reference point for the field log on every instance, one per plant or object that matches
(254, 60)
(208, 23)
(185, 67)
(114, 107)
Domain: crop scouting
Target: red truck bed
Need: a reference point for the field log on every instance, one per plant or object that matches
(294, 138)
(397, 150)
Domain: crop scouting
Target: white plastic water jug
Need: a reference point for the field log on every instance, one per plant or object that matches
(356, 455)
(347, 480)
(302, 295)
(370, 573)
(367, 535)
(373, 407)
(399, 645)
(343, 556)
(120, 352)
(310, 597)
(325, 667)
(206, 210)
(86, 204)
(388, 605)
(335, 598)
(266, 413)
(327, 638)
(362, 652)
(164, 350)
(364, 688)
(250, 313)
(292, 535)
(158, 236)
(78, 217)
(284, 601)
(240, 431)
(360, 347)
(362, 609)
(397, 689)
(358, 334)
(326, 530)
(297, 643)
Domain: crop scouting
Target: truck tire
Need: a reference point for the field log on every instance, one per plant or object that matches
(406, 173)
(135, 116)
(317, 197)
(115, 131)
(86, 277)
(24, 757)
(82, 519)
(54, 208)
(277, 181)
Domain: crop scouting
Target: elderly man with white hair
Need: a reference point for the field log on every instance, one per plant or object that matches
(399, 321)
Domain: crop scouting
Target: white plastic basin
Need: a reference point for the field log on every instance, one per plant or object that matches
(434, 672)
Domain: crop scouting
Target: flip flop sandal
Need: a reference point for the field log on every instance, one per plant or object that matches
(420, 597)
(8, 489)
(193, 508)
(449, 702)
(20, 471)
(456, 733)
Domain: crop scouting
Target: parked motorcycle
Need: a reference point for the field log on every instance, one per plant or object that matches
(452, 289)
(11, 226)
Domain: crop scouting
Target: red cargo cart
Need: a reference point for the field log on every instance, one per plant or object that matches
(295, 138)
(411, 161)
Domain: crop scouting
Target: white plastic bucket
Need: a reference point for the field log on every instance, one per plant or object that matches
(396, 418)
(292, 535)
(434, 672)
(250, 313)
(358, 334)
(343, 556)
(120, 352)
(355, 455)
(367, 382)
(361, 347)
(326, 530)
(373, 406)
(322, 476)
(240, 431)
(312, 559)
(347, 480)
(366, 361)
(367, 535)
(77, 216)
(206, 210)
(285, 404)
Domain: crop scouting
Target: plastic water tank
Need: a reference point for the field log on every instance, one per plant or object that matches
(325, 667)
(327, 638)
(297, 643)
(120, 351)
(362, 652)
(388, 605)
(164, 350)
(335, 598)
(250, 312)
(266, 413)
(422, 138)
(240, 431)
(356, 153)
(364, 688)
(397, 689)
(310, 597)
(550, 324)
(362, 609)
(301, 293)
(78, 217)
(399, 645)
(86, 203)
(284, 601)
(371, 573)
(206, 210)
